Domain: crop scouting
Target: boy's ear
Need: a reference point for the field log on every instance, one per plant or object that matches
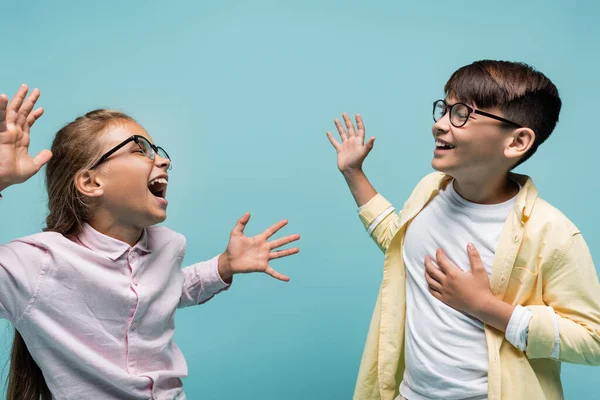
(89, 183)
(519, 143)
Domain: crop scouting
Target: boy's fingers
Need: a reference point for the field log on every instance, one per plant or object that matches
(349, 125)
(360, 126)
(276, 275)
(432, 283)
(475, 258)
(15, 104)
(333, 142)
(340, 130)
(444, 263)
(27, 106)
(434, 272)
(370, 143)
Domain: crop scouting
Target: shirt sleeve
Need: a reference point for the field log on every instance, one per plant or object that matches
(20, 267)
(571, 295)
(380, 220)
(518, 327)
(201, 283)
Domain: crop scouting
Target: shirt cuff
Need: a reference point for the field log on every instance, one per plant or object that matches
(517, 330)
(541, 342)
(375, 211)
(206, 275)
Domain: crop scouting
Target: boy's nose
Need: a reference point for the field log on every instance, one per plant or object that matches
(442, 125)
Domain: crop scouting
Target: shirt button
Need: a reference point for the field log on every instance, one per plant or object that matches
(516, 238)
(135, 281)
(133, 326)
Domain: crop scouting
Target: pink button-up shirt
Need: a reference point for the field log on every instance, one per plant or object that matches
(98, 315)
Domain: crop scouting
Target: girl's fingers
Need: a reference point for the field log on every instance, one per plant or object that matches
(283, 253)
(26, 107)
(340, 130)
(32, 118)
(283, 241)
(360, 126)
(3, 104)
(349, 125)
(276, 275)
(42, 158)
(241, 224)
(334, 142)
(273, 229)
(15, 104)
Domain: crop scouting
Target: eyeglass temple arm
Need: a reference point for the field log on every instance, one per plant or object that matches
(115, 149)
(497, 118)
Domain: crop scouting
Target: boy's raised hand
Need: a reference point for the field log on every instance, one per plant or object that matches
(252, 254)
(353, 150)
(16, 119)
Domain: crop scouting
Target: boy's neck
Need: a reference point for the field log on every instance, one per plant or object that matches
(487, 189)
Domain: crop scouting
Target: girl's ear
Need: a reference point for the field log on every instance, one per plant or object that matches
(89, 183)
(520, 143)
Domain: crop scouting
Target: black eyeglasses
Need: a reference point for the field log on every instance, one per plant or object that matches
(460, 113)
(147, 148)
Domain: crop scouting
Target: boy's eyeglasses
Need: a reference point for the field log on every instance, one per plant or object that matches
(147, 148)
(460, 113)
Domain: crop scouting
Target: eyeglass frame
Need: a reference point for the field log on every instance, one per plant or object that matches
(470, 110)
(136, 139)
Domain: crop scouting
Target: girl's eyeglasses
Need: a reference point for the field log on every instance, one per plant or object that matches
(460, 113)
(148, 149)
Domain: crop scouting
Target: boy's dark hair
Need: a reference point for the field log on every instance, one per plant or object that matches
(524, 95)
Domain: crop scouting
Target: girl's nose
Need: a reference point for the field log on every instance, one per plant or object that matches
(162, 162)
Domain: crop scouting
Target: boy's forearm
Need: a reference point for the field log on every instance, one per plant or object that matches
(359, 185)
(495, 312)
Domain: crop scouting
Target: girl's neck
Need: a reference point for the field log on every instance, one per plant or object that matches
(487, 189)
(128, 234)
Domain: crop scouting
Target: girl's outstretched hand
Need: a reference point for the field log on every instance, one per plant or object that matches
(252, 254)
(16, 119)
(353, 150)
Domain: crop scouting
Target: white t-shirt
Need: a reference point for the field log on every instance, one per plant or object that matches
(446, 351)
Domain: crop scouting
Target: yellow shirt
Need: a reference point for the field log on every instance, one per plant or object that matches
(541, 262)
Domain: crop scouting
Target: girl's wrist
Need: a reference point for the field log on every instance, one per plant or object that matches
(224, 267)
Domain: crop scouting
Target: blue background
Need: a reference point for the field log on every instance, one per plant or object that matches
(241, 95)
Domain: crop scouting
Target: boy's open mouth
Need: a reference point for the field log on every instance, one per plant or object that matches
(442, 145)
(158, 186)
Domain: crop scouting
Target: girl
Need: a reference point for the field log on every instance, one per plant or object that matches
(93, 297)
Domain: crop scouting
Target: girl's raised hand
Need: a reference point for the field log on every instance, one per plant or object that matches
(16, 119)
(252, 254)
(353, 150)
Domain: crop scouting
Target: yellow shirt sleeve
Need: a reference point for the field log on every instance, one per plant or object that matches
(572, 291)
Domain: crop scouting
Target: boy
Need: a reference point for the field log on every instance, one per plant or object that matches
(494, 323)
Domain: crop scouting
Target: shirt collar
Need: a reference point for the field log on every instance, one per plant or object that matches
(108, 246)
(525, 199)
